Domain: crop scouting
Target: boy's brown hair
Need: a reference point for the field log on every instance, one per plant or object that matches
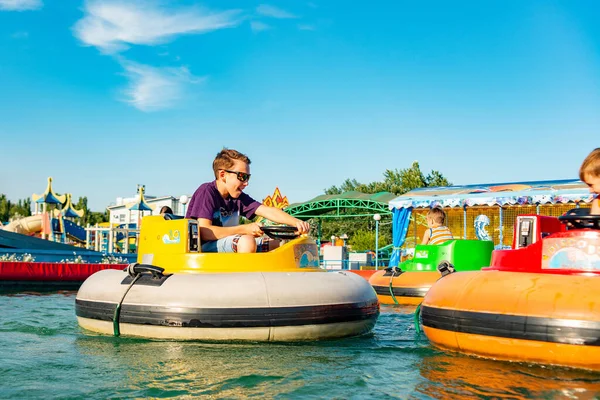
(225, 160)
(591, 165)
(437, 215)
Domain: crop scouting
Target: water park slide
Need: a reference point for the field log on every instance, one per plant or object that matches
(74, 231)
(12, 240)
(33, 224)
(25, 226)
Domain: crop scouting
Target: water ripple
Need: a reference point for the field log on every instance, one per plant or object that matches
(46, 355)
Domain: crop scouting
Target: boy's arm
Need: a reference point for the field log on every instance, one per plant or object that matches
(276, 215)
(595, 206)
(209, 232)
(426, 236)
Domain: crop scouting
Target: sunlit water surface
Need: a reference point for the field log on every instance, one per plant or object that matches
(46, 355)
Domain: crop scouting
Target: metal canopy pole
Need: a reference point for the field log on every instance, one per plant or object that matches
(501, 234)
(465, 222)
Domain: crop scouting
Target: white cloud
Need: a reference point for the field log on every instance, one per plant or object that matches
(258, 26)
(304, 27)
(112, 25)
(20, 5)
(273, 12)
(152, 89)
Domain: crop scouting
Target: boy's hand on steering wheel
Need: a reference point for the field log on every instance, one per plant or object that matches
(254, 229)
(302, 227)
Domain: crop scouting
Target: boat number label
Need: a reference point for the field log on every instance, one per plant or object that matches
(173, 237)
(422, 254)
(571, 253)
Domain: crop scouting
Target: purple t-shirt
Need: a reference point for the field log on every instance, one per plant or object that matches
(208, 203)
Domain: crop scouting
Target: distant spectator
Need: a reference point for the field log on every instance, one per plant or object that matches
(166, 210)
(438, 232)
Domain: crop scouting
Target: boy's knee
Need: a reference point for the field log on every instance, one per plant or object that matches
(246, 244)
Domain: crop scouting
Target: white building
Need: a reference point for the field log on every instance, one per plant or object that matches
(120, 212)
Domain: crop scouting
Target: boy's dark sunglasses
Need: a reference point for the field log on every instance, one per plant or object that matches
(242, 176)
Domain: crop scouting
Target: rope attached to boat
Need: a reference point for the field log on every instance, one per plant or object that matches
(134, 270)
(416, 320)
(392, 289)
(117, 314)
(393, 272)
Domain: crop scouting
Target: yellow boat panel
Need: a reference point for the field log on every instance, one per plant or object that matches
(175, 246)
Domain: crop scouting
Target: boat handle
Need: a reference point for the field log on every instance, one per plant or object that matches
(137, 269)
(446, 268)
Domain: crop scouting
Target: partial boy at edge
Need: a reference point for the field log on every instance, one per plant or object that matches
(589, 172)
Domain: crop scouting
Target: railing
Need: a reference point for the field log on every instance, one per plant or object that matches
(353, 265)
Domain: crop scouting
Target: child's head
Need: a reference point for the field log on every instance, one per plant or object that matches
(226, 159)
(166, 210)
(589, 172)
(436, 217)
(232, 171)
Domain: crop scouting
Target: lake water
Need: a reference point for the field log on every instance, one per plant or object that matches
(46, 355)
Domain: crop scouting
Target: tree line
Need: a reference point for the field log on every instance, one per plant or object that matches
(10, 211)
(360, 230)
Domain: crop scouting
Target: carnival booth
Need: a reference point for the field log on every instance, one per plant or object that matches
(481, 212)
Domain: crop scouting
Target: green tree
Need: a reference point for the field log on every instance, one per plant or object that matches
(21, 209)
(82, 204)
(394, 181)
(10, 210)
(97, 217)
(435, 179)
(90, 217)
(348, 185)
(4, 208)
(362, 240)
(397, 181)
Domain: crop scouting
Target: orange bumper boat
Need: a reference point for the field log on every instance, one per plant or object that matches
(409, 282)
(538, 302)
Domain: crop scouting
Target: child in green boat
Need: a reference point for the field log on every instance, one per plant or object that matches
(438, 232)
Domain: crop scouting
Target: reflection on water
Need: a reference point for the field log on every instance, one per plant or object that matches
(260, 369)
(209, 369)
(32, 290)
(46, 355)
(456, 375)
(399, 309)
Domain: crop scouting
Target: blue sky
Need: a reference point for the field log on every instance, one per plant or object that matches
(103, 95)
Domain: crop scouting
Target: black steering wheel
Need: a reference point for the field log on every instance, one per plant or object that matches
(580, 218)
(280, 232)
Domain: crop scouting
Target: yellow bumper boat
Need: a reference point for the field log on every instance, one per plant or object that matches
(177, 292)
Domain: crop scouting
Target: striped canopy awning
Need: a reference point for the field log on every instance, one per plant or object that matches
(500, 194)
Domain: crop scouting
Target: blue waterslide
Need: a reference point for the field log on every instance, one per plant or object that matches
(74, 231)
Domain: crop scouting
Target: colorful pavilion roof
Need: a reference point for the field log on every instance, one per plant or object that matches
(532, 193)
(141, 204)
(48, 197)
(69, 211)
